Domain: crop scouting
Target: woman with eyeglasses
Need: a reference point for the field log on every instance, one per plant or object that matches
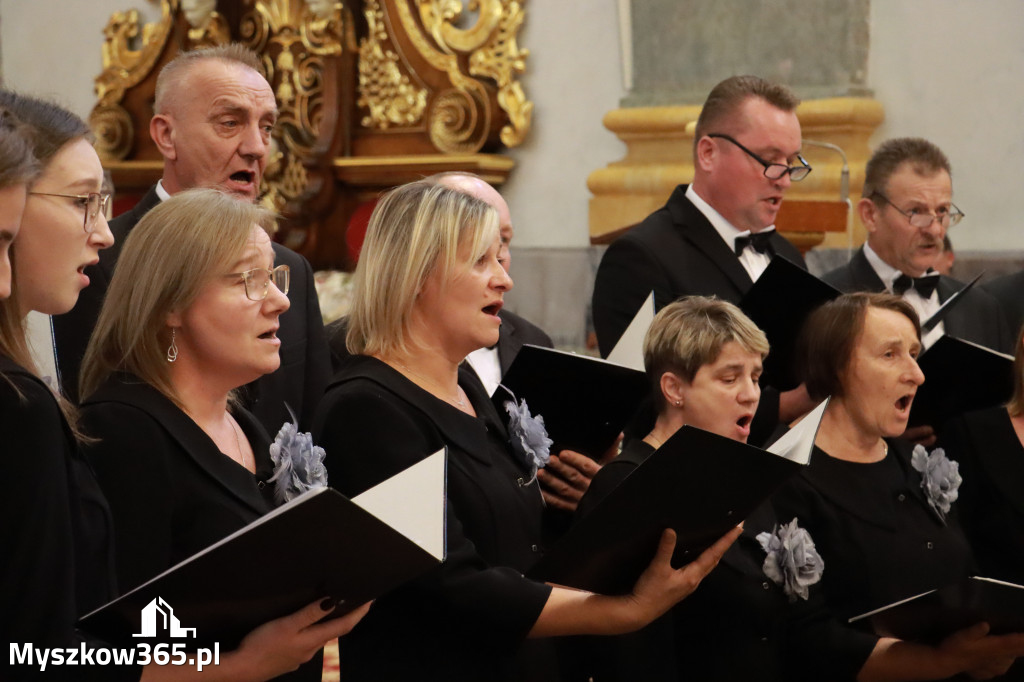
(191, 314)
(57, 533)
(54, 512)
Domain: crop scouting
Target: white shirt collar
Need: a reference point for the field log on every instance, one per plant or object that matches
(161, 192)
(753, 262)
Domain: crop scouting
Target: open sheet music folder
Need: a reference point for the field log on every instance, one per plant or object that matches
(321, 544)
(698, 483)
(934, 615)
(960, 376)
(585, 401)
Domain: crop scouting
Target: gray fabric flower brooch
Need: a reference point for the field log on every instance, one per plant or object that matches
(529, 437)
(940, 478)
(792, 560)
(298, 464)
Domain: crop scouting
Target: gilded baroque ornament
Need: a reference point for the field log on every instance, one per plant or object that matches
(123, 68)
(296, 41)
(207, 28)
(384, 90)
(493, 52)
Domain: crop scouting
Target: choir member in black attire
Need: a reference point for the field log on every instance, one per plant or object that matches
(989, 445)
(428, 289)
(883, 537)
(190, 316)
(58, 531)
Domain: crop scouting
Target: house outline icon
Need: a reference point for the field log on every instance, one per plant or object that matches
(158, 615)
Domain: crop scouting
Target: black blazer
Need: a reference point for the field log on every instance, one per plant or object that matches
(56, 534)
(675, 252)
(305, 364)
(172, 491)
(1009, 291)
(976, 318)
(515, 332)
(991, 498)
(467, 619)
(872, 525)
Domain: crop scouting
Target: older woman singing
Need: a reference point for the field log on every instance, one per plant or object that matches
(429, 286)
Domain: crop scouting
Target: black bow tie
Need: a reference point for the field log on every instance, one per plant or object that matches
(924, 285)
(760, 241)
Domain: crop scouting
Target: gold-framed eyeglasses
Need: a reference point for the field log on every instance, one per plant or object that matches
(257, 281)
(947, 217)
(93, 203)
(772, 171)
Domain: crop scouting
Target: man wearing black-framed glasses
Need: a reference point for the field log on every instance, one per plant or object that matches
(907, 207)
(716, 236)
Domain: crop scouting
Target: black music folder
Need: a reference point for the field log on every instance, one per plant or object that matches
(934, 615)
(779, 303)
(320, 544)
(945, 308)
(585, 401)
(960, 376)
(698, 483)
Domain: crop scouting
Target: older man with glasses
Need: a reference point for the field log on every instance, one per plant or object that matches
(907, 206)
(716, 236)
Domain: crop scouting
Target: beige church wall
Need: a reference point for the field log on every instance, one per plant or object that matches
(944, 69)
(951, 71)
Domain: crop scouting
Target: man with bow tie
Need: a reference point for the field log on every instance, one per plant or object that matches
(907, 206)
(716, 236)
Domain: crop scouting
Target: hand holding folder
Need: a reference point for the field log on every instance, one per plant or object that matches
(318, 544)
(697, 483)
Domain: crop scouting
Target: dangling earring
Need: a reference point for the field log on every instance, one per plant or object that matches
(172, 350)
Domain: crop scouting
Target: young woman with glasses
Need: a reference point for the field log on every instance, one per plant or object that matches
(58, 532)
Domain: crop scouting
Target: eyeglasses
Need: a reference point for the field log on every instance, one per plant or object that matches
(94, 203)
(947, 217)
(257, 281)
(772, 171)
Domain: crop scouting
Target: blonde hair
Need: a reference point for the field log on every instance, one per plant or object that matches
(690, 333)
(415, 230)
(168, 258)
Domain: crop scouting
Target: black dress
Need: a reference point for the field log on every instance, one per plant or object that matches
(991, 499)
(171, 490)
(467, 619)
(57, 560)
(738, 625)
(872, 524)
